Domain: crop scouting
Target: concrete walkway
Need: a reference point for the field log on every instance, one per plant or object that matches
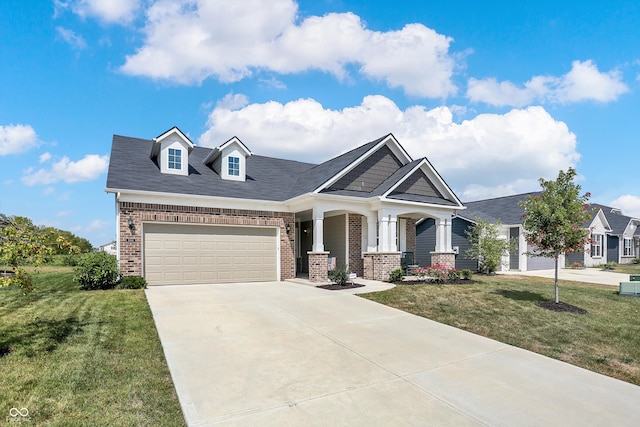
(589, 275)
(285, 354)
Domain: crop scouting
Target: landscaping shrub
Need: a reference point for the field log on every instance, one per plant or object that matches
(453, 275)
(466, 274)
(97, 270)
(438, 272)
(339, 276)
(636, 261)
(419, 272)
(576, 265)
(132, 282)
(396, 275)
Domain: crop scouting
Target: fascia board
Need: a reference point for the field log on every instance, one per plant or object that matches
(157, 197)
(177, 131)
(236, 140)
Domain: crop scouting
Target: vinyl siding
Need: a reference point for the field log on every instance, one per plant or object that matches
(334, 238)
(369, 174)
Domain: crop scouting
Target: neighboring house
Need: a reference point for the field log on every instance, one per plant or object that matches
(110, 248)
(623, 242)
(595, 252)
(188, 214)
(508, 211)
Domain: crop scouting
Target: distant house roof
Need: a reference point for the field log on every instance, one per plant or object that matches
(273, 179)
(506, 209)
(617, 221)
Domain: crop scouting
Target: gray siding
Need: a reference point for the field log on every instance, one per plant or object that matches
(573, 257)
(418, 184)
(538, 262)
(426, 243)
(334, 228)
(369, 174)
(613, 250)
(514, 256)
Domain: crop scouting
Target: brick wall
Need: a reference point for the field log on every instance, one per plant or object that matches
(131, 240)
(318, 267)
(378, 265)
(411, 235)
(355, 244)
(446, 258)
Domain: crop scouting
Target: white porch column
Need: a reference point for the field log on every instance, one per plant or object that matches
(443, 235)
(372, 227)
(402, 223)
(318, 230)
(383, 233)
(393, 234)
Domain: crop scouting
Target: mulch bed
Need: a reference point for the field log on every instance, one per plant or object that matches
(561, 307)
(431, 282)
(334, 287)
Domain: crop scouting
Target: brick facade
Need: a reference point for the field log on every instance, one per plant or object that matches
(131, 239)
(318, 267)
(378, 265)
(355, 244)
(446, 258)
(411, 235)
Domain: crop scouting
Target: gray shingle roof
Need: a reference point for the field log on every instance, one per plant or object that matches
(268, 178)
(505, 209)
(618, 222)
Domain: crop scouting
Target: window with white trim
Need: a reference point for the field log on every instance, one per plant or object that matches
(234, 166)
(175, 159)
(596, 245)
(628, 247)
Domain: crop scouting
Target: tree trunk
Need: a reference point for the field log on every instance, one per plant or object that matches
(557, 297)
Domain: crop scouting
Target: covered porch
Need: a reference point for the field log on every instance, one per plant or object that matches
(369, 242)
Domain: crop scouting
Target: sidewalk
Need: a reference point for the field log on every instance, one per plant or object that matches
(589, 275)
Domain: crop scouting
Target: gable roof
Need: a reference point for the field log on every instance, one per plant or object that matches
(218, 150)
(275, 179)
(155, 148)
(617, 221)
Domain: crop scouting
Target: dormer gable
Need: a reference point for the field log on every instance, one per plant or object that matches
(172, 149)
(229, 160)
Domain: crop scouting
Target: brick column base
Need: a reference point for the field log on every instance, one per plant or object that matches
(318, 267)
(446, 258)
(378, 265)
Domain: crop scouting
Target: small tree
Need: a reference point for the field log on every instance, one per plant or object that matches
(23, 243)
(554, 222)
(486, 245)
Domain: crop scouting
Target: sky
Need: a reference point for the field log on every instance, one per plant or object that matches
(496, 94)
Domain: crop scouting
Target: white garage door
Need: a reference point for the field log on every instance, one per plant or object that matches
(184, 254)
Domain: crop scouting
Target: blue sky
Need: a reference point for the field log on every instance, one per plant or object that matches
(495, 94)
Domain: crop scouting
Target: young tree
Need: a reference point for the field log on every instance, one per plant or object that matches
(23, 243)
(554, 222)
(486, 245)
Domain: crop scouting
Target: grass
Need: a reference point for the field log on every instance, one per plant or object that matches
(76, 358)
(627, 268)
(606, 340)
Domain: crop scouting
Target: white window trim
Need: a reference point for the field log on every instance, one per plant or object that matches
(598, 243)
(233, 166)
(176, 153)
(630, 248)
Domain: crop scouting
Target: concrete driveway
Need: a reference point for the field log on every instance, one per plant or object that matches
(286, 354)
(589, 275)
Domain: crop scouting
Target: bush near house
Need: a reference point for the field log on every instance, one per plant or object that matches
(339, 275)
(132, 282)
(97, 270)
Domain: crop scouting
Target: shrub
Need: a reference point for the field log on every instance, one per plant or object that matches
(636, 261)
(453, 275)
(132, 282)
(396, 275)
(97, 270)
(438, 272)
(576, 264)
(339, 276)
(466, 274)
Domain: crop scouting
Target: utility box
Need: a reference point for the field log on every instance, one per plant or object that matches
(630, 288)
(634, 277)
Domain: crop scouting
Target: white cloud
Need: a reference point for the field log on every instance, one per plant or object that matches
(629, 204)
(491, 154)
(189, 41)
(111, 11)
(44, 157)
(583, 83)
(94, 225)
(71, 38)
(86, 169)
(16, 139)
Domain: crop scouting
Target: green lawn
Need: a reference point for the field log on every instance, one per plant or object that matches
(627, 268)
(82, 358)
(606, 340)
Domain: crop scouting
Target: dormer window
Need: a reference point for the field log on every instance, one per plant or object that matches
(234, 166)
(175, 159)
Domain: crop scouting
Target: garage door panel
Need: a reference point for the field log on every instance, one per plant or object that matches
(176, 254)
